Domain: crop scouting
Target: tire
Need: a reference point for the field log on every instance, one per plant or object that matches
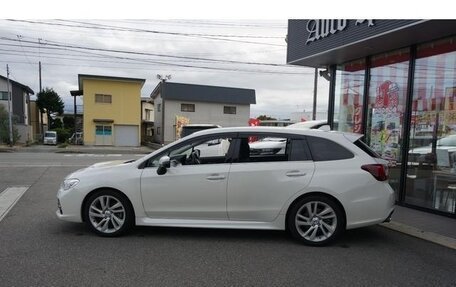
(316, 220)
(108, 213)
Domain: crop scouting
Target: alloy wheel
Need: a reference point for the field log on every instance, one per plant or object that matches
(316, 221)
(107, 214)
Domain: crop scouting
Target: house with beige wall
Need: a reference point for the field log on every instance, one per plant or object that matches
(112, 110)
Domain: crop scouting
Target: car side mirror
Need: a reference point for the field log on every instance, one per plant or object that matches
(163, 164)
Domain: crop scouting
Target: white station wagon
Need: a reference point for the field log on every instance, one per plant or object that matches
(320, 184)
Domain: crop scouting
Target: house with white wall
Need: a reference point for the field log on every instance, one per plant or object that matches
(198, 104)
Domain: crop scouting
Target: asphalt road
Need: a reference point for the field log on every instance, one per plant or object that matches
(36, 249)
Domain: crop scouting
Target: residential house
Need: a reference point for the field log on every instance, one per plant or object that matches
(198, 104)
(147, 119)
(38, 122)
(112, 109)
(20, 99)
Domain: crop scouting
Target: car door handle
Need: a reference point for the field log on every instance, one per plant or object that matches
(215, 176)
(295, 173)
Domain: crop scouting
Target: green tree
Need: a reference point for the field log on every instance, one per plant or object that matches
(4, 127)
(49, 101)
(68, 122)
(265, 118)
(56, 124)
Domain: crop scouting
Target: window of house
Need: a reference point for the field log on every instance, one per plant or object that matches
(187, 107)
(159, 107)
(158, 131)
(231, 110)
(4, 96)
(101, 98)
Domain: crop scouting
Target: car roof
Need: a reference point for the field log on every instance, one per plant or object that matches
(202, 125)
(321, 133)
(308, 124)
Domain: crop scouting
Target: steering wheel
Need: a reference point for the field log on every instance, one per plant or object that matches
(194, 157)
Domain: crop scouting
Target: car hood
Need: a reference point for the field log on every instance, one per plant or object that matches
(99, 167)
(106, 164)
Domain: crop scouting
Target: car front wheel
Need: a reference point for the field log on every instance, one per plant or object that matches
(108, 213)
(316, 220)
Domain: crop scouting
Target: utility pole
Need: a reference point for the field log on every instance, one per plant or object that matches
(10, 116)
(314, 107)
(41, 114)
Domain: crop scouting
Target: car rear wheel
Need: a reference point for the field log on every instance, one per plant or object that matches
(108, 213)
(316, 220)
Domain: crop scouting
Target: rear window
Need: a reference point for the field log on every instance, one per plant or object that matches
(323, 150)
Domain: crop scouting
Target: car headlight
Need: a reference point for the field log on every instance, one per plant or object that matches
(69, 183)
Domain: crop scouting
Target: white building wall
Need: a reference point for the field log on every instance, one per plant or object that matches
(205, 113)
(158, 110)
(147, 106)
(4, 85)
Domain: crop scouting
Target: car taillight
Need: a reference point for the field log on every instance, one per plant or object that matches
(379, 171)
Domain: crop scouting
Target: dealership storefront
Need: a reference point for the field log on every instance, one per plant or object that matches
(395, 82)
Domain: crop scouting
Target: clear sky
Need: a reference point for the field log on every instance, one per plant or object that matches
(196, 42)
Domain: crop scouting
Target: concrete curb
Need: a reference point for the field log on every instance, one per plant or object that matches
(425, 235)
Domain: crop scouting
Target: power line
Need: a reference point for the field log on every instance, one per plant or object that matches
(130, 29)
(63, 45)
(207, 36)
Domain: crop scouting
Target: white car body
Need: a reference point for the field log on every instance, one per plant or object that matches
(314, 124)
(424, 154)
(50, 137)
(254, 195)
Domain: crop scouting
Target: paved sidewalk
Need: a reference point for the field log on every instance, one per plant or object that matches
(431, 227)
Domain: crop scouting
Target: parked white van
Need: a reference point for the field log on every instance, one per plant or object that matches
(50, 137)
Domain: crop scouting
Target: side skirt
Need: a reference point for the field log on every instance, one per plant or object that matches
(278, 224)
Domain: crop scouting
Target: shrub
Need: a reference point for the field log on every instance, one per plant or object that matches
(63, 135)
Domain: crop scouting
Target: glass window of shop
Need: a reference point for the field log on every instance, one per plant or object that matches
(386, 106)
(349, 95)
(431, 169)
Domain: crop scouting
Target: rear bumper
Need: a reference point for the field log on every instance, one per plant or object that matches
(388, 219)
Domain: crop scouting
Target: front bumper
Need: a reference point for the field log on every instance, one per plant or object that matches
(69, 205)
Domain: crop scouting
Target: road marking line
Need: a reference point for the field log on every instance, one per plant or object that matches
(2, 165)
(9, 197)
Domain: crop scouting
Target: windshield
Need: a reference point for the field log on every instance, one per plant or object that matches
(189, 130)
(50, 135)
